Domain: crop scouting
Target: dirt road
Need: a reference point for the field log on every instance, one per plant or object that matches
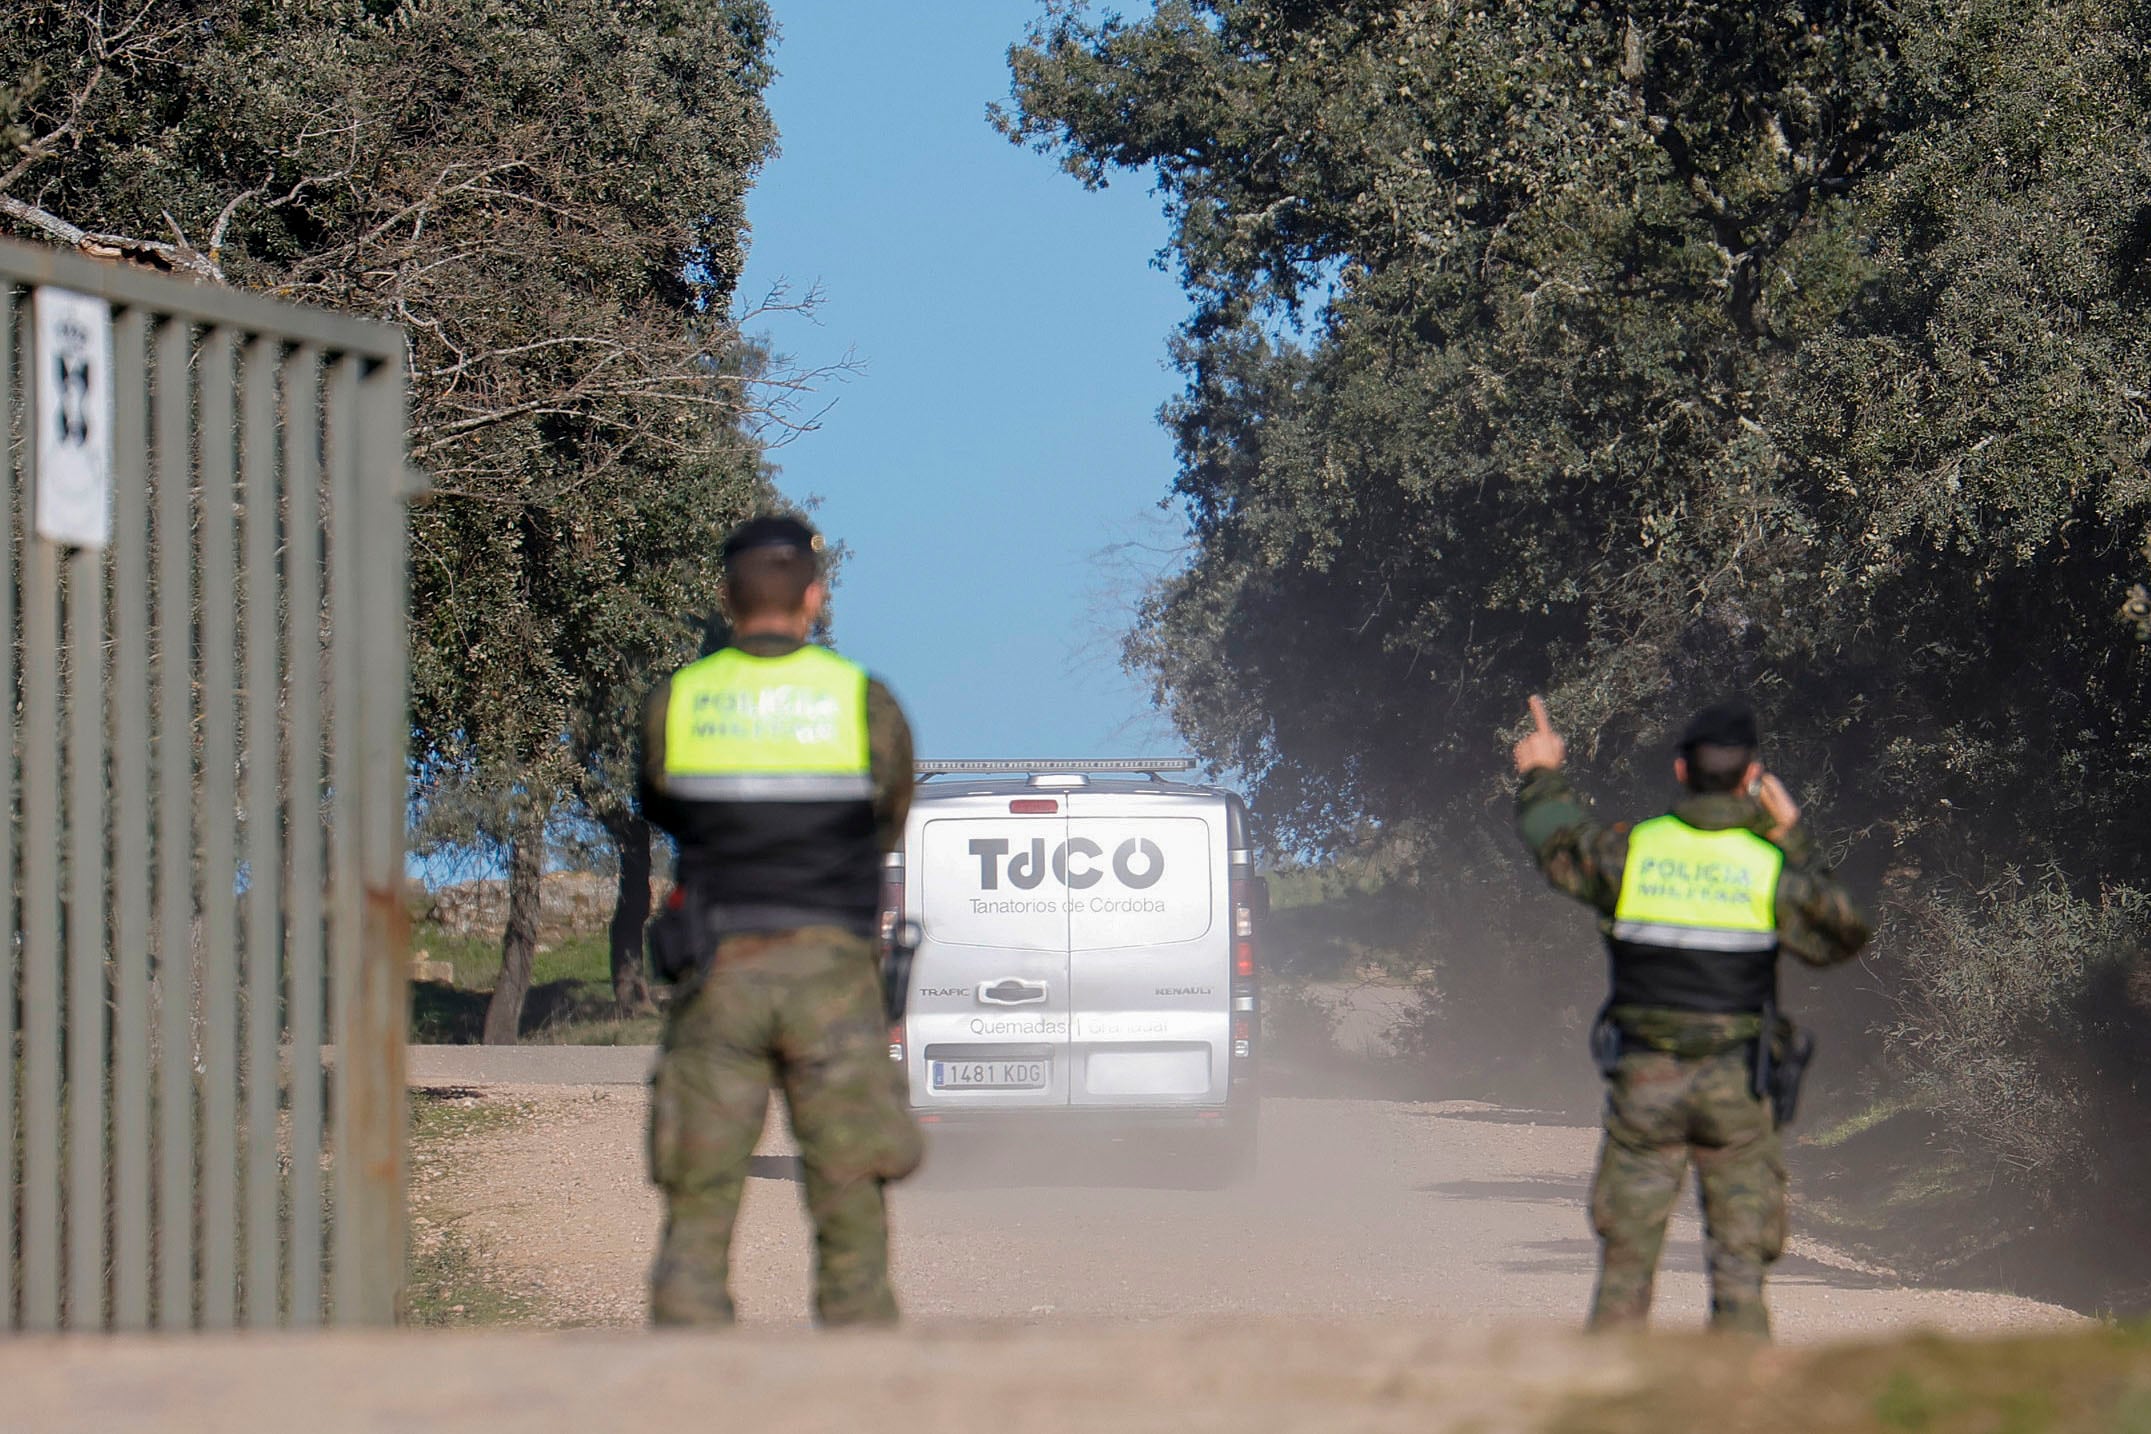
(1392, 1267)
(1421, 1215)
(1262, 1378)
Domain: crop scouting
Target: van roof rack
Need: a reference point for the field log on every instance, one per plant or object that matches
(1152, 767)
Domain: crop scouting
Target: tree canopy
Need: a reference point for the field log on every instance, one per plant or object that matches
(549, 198)
(1639, 353)
(1644, 353)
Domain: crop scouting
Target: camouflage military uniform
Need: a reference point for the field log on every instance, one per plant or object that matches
(1682, 1091)
(799, 1010)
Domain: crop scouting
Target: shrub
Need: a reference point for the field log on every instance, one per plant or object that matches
(2019, 1011)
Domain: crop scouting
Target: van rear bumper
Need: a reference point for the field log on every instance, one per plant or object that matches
(1117, 1117)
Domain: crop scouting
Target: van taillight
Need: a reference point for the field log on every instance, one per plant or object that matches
(1034, 806)
(892, 918)
(1243, 930)
(1246, 975)
(892, 905)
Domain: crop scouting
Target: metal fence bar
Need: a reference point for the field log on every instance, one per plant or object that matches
(340, 415)
(86, 916)
(130, 824)
(220, 874)
(41, 896)
(375, 1029)
(13, 408)
(175, 826)
(37, 265)
(306, 876)
(202, 878)
(264, 863)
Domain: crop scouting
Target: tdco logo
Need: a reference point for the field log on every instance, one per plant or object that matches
(1137, 863)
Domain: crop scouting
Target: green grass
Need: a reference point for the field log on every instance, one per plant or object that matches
(1879, 1184)
(449, 1287)
(448, 1283)
(582, 959)
(570, 1001)
(1860, 1122)
(442, 1119)
(2092, 1381)
(607, 1031)
(1295, 888)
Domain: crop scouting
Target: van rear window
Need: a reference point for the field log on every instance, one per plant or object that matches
(988, 881)
(1149, 882)
(1053, 884)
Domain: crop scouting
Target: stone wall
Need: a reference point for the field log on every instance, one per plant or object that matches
(571, 903)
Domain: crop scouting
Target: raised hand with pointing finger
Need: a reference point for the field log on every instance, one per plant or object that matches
(1542, 746)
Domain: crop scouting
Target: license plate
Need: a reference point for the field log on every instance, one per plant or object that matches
(989, 1075)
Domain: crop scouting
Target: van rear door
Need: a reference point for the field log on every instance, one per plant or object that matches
(987, 1023)
(1149, 950)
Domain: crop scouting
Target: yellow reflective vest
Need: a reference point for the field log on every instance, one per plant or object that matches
(740, 728)
(1690, 889)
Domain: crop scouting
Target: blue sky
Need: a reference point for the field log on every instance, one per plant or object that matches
(998, 449)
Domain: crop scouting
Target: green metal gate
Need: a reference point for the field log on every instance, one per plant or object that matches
(202, 1114)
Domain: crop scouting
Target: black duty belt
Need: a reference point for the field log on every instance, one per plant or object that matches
(1778, 1055)
(733, 918)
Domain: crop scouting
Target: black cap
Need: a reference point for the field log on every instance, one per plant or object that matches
(1725, 724)
(774, 531)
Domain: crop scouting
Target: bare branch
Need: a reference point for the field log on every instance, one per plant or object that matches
(35, 152)
(440, 191)
(515, 350)
(128, 42)
(55, 226)
(224, 220)
(182, 256)
(777, 299)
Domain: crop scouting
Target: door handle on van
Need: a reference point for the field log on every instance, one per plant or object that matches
(1011, 992)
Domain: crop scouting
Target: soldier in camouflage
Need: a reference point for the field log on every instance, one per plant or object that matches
(1695, 907)
(784, 772)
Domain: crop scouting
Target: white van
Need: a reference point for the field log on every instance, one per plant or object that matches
(1086, 947)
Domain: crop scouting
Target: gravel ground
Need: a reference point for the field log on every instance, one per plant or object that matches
(1392, 1267)
(1455, 1214)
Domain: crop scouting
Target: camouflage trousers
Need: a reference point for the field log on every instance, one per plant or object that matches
(799, 1011)
(1662, 1112)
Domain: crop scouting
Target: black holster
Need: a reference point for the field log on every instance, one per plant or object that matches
(1782, 1053)
(1606, 1043)
(681, 939)
(896, 953)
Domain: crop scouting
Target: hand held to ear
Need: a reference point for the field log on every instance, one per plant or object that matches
(1783, 811)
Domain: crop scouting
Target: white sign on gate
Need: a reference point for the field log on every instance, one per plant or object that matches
(74, 418)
